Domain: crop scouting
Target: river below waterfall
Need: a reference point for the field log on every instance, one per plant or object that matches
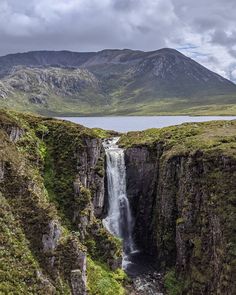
(119, 222)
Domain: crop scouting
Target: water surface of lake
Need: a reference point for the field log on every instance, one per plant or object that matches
(134, 123)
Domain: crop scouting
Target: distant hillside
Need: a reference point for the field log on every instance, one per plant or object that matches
(113, 82)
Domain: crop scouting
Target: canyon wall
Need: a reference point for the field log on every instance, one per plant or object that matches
(52, 195)
(182, 190)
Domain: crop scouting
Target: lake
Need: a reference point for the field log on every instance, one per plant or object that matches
(134, 123)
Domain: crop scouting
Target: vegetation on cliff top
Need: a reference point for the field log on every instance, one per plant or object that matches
(186, 137)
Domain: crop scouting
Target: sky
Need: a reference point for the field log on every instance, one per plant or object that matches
(204, 30)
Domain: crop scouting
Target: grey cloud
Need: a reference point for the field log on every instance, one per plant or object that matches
(89, 25)
(126, 4)
(233, 53)
(221, 37)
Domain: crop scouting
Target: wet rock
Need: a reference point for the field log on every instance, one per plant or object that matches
(141, 173)
(91, 173)
(98, 198)
(147, 284)
(51, 237)
(114, 263)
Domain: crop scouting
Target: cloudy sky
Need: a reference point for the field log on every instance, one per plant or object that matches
(203, 30)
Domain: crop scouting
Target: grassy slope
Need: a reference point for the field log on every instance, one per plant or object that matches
(118, 104)
(188, 136)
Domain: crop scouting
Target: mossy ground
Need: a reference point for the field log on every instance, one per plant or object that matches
(101, 280)
(18, 265)
(221, 105)
(187, 137)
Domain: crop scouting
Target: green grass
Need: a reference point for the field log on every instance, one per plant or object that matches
(187, 137)
(115, 105)
(102, 281)
(17, 263)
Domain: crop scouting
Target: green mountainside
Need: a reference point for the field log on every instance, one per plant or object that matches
(113, 82)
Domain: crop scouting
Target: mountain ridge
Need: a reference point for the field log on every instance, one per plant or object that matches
(125, 82)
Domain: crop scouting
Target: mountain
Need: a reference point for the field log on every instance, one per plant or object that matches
(113, 82)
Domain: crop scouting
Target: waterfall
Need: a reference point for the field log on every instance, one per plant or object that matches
(119, 219)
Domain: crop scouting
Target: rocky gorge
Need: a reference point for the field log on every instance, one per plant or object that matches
(53, 188)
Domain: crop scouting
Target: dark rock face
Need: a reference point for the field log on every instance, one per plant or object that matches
(141, 167)
(78, 274)
(183, 205)
(90, 170)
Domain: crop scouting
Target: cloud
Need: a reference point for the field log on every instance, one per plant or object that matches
(125, 5)
(233, 73)
(204, 32)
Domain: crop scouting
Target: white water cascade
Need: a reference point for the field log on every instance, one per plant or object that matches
(119, 219)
